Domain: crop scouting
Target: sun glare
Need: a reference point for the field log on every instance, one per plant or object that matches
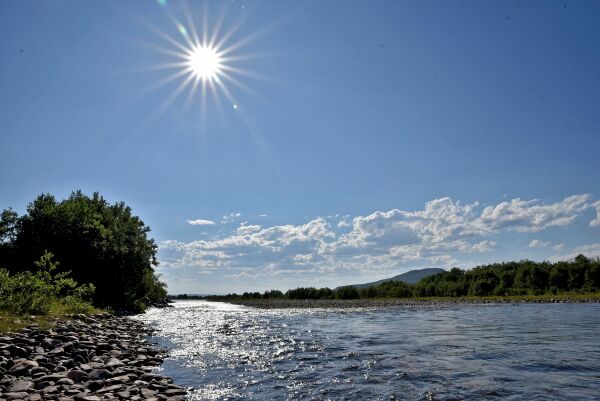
(205, 63)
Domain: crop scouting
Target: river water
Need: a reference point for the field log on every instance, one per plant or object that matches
(459, 352)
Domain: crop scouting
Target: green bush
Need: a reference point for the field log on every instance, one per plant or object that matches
(95, 241)
(35, 292)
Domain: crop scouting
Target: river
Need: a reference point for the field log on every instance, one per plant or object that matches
(454, 352)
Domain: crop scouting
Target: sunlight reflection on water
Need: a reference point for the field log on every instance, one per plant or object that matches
(230, 352)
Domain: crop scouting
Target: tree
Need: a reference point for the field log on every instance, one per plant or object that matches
(100, 243)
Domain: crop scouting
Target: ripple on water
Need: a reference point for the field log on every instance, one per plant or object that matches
(230, 352)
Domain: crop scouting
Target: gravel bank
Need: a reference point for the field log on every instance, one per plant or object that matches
(387, 303)
(86, 359)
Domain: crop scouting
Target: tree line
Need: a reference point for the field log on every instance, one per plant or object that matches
(95, 243)
(580, 275)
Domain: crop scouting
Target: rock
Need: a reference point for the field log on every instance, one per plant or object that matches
(149, 377)
(22, 367)
(87, 397)
(77, 376)
(95, 385)
(15, 396)
(57, 351)
(146, 393)
(102, 374)
(114, 363)
(175, 391)
(51, 343)
(110, 389)
(65, 382)
(20, 386)
(50, 390)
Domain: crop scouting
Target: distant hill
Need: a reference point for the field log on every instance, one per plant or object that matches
(410, 277)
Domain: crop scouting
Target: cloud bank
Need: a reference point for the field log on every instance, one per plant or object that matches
(443, 232)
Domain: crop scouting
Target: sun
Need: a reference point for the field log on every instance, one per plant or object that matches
(205, 63)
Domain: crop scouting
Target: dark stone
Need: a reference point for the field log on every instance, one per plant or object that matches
(102, 374)
(95, 385)
(149, 377)
(77, 376)
(22, 368)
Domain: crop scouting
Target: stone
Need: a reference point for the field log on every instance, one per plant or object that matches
(95, 385)
(175, 391)
(114, 363)
(57, 351)
(20, 386)
(22, 368)
(148, 377)
(86, 397)
(65, 382)
(15, 396)
(146, 393)
(110, 389)
(50, 390)
(102, 374)
(77, 376)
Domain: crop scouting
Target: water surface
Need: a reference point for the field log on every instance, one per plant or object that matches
(473, 352)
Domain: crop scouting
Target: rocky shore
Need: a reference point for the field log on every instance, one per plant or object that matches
(391, 303)
(103, 357)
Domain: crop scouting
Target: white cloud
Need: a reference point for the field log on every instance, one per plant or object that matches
(533, 216)
(596, 221)
(200, 222)
(231, 217)
(590, 251)
(441, 234)
(536, 243)
(244, 229)
(343, 223)
(558, 247)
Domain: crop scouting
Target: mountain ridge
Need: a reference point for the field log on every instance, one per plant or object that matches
(410, 277)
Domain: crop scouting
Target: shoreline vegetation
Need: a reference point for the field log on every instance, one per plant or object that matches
(78, 255)
(577, 280)
(381, 303)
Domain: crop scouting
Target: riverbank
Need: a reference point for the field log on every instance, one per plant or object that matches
(410, 302)
(103, 357)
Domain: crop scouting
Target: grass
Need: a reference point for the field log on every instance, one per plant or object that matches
(11, 322)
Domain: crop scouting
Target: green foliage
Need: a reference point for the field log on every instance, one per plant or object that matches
(347, 293)
(95, 242)
(35, 292)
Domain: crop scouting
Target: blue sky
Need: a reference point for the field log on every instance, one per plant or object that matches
(358, 141)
